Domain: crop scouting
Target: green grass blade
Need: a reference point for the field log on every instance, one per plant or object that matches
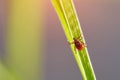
(68, 17)
(24, 40)
(5, 74)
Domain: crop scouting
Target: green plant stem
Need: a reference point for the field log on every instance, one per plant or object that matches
(5, 74)
(69, 20)
(24, 39)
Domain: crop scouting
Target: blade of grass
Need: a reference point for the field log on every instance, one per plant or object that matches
(24, 40)
(68, 17)
(5, 74)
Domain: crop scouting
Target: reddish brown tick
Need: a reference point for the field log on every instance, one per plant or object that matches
(78, 43)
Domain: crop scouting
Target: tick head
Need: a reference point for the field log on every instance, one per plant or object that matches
(74, 39)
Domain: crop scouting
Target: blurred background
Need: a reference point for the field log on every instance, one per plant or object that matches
(100, 22)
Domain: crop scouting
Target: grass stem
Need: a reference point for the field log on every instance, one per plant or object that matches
(69, 20)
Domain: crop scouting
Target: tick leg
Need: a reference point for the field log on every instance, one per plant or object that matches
(70, 42)
(80, 37)
(74, 48)
(84, 44)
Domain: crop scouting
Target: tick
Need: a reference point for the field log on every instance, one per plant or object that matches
(78, 43)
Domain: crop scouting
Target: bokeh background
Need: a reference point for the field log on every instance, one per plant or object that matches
(100, 22)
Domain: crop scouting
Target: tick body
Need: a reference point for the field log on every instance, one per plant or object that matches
(78, 43)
